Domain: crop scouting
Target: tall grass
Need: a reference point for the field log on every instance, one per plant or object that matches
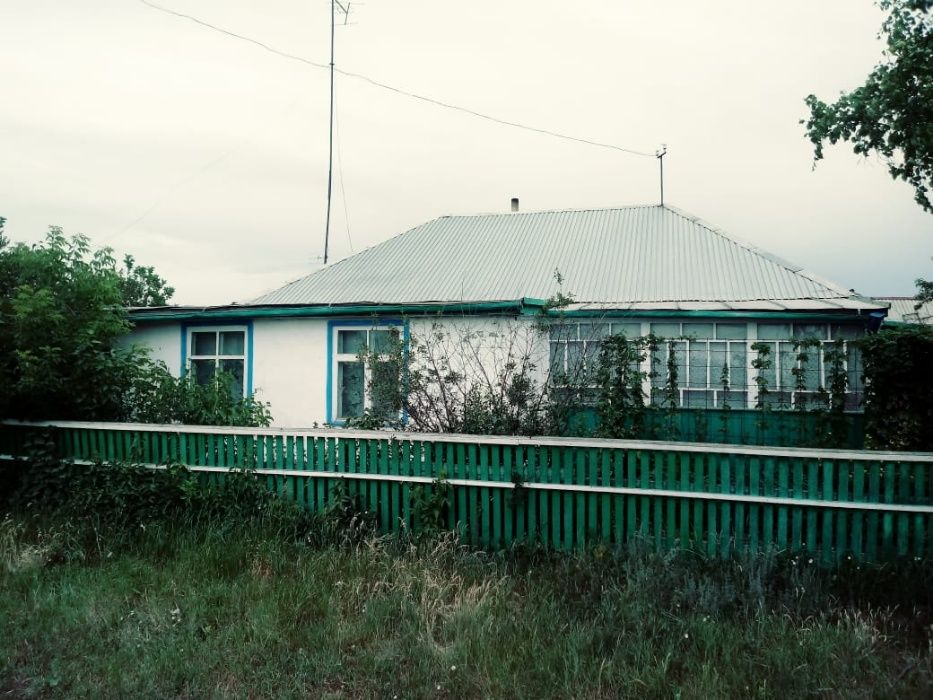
(254, 599)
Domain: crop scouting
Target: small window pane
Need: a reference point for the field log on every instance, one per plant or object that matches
(235, 369)
(351, 385)
(575, 361)
(386, 389)
(767, 373)
(203, 370)
(204, 343)
(382, 342)
(629, 330)
(737, 365)
(846, 332)
(592, 331)
(557, 359)
(666, 330)
(810, 330)
(731, 331)
(788, 361)
(232, 343)
(700, 331)
(773, 331)
(735, 399)
(351, 342)
(699, 361)
(698, 399)
(563, 331)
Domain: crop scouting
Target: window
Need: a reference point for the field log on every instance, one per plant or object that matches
(218, 349)
(714, 361)
(359, 386)
(710, 360)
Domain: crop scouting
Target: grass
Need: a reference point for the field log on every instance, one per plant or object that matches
(216, 609)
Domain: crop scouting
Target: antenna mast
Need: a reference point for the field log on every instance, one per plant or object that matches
(334, 4)
(659, 154)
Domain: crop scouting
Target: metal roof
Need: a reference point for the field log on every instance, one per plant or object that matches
(631, 257)
(902, 310)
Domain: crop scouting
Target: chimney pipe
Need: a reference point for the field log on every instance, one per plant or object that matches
(514, 203)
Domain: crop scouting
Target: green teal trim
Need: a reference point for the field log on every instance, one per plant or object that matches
(770, 315)
(227, 313)
(247, 324)
(336, 323)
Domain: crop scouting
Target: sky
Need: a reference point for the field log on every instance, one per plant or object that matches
(206, 156)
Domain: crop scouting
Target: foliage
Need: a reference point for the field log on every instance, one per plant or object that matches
(622, 401)
(892, 113)
(141, 286)
(431, 504)
(898, 366)
(212, 609)
(61, 318)
(155, 396)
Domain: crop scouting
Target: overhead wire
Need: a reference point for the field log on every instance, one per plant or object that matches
(397, 90)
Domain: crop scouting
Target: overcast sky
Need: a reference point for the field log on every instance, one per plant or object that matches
(206, 156)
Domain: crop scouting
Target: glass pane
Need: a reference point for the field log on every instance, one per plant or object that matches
(846, 332)
(563, 331)
(385, 390)
(735, 399)
(698, 399)
(768, 372)
(700, 331)
(383, 341)
(788, 361)
(854, 368)
(350, 342)
(738, 363)
(232, 343)
(235, 369)
(629, 330)
(699, 363)
(351, 384)
(666, 330)
(731, 331)
(773, 331)
(810, 330)
(203, 370)
(557, 360)
(590, 331)
(204, 343)
(591, 358)
(575, 361)
(718, 358)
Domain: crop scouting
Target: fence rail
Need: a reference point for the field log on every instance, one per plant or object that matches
(562, 492)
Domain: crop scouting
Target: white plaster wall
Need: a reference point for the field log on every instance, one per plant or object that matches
(290, 369)
(163, 341)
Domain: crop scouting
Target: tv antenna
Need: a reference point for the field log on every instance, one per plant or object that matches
(659, 154)
(345, 10)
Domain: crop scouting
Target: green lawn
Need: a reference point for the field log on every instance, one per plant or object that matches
(214, 611)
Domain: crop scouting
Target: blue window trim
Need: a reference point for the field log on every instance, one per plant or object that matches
(354, 323)
(248, 324)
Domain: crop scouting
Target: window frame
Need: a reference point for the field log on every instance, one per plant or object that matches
(334, 358)
(187, 350)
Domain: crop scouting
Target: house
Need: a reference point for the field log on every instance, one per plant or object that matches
(633, 270)
(904, 310)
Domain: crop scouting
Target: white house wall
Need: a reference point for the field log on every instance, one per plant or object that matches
(290, 369)
(163, 342)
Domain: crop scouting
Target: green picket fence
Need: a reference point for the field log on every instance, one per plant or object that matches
(561, 492)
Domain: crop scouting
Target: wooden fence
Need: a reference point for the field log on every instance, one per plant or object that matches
(561, 492)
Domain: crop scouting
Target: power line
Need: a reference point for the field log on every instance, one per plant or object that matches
(399, 91)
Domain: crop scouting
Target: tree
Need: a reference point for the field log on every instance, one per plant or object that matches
(892, 113)
(61, 319)
(141, 286)
(62, 356)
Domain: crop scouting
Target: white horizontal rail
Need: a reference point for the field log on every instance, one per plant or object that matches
(574, 488)
(460, 438)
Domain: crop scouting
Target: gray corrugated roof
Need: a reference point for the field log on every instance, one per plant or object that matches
(640, 255)
(902, 310)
